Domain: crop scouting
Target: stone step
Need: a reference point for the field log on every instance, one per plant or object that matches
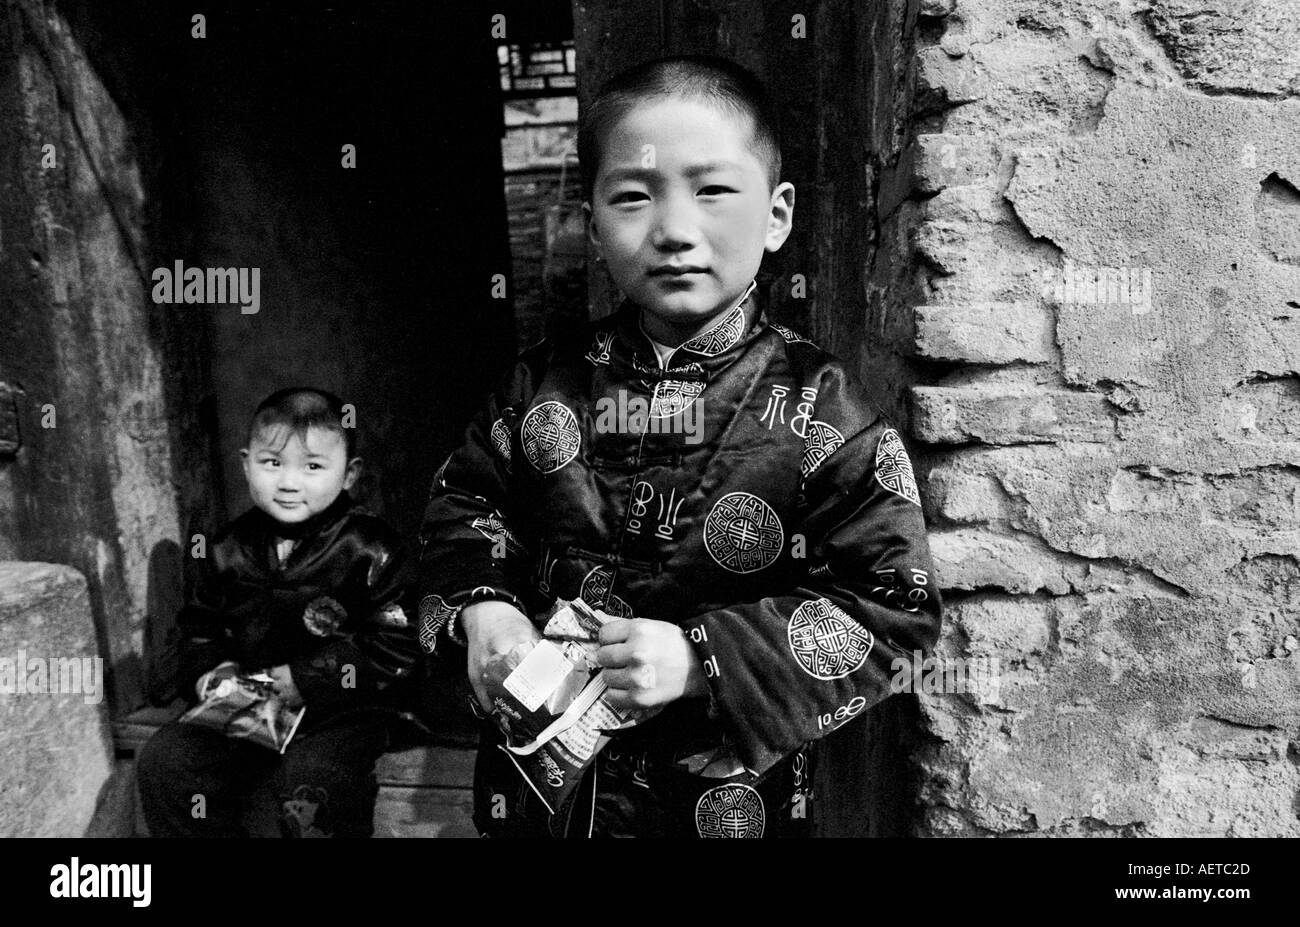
(424, 790)
(403, 811)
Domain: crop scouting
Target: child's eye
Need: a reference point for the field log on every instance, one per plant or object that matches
(628, 196)
(715, 189)
(270, 462)
(314, 466)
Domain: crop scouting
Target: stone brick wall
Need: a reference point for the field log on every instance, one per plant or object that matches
(1103, 204)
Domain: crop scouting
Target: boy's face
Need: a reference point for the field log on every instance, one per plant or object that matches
(681, 210)
(295, 479)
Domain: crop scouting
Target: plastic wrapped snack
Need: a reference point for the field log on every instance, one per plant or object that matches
(247, 708)
(549, 698)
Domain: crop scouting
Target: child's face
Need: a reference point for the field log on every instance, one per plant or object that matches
(293, 480)
(681, 210)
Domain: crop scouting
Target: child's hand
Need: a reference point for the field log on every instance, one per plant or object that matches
(648, 663)
(492, 630)
(285, 688)
(208, 682)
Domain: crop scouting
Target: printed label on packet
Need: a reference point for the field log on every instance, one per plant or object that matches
(538, 675)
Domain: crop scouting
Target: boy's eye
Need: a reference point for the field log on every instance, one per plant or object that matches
(715, 190)
(314, 466)
(628, 196)
(270, 462)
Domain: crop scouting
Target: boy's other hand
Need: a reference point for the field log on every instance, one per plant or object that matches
(648, 663)
(493, 630)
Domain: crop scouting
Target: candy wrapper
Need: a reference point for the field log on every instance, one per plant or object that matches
(549, 698)
(247, 708)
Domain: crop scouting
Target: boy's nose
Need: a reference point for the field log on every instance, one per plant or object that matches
(675, 228)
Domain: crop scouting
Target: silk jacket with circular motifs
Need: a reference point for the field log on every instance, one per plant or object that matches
(749, 491)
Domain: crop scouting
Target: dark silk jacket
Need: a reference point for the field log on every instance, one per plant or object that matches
(332, 612)
(784, 536)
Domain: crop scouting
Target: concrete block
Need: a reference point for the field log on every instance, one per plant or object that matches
(985, 333)
(52, 709)
(945, 81)
(1008, 415)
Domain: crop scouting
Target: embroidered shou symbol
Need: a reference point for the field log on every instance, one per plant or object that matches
(434, 613)
(599, 353)
(721, 336)
(642, 493)
(493, 527)
(501, 440)
(672, 397)
(791, 336)
(597, 590)
(820, 442)
(803, 411)
(550, 436)
(669, 506)
(827, 643)
(731, 810)
(775, 407)
(890, 589)
(894, 469)
(545, 567)
(742, 533)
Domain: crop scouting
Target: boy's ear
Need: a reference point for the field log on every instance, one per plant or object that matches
(352, 473)
(780, 219)
(593, 233)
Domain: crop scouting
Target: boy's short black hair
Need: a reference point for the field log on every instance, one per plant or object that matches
(706, 77)
(300, 408)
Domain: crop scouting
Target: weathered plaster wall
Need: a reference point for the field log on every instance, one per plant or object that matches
(1114, 483)
(91, 481)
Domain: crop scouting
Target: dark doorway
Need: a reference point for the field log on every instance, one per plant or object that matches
(377, 261)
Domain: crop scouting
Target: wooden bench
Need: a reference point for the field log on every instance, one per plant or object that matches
(424, 791)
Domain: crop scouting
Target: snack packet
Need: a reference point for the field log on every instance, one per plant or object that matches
(550, 702)
(246, 707)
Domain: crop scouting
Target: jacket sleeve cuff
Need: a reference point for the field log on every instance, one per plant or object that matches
(438, 615)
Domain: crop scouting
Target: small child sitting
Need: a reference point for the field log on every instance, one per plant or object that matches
(305, 587)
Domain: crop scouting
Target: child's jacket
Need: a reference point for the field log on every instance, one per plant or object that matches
(332, 611)
(761, 501)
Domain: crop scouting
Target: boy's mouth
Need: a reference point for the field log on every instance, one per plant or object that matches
(676, 270)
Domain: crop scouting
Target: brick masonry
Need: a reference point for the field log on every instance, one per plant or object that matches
(1104, 204)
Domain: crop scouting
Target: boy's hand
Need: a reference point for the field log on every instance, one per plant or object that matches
(492, 630)
(285, 688)
(208, 682)
(648, 663)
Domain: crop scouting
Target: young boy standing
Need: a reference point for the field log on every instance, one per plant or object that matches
(766, 568)
(306, 586)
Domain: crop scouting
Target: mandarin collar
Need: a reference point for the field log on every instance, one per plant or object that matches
(711, 348)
